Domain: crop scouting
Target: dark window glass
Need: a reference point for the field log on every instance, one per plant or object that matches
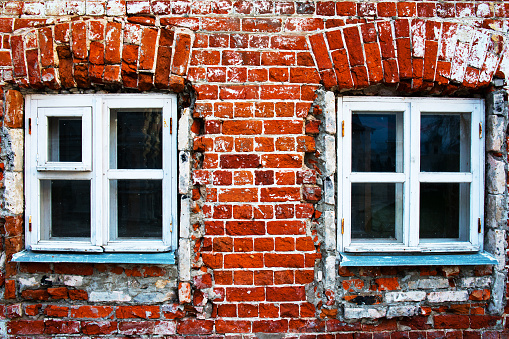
(65, 139)
(139, 139)
(70, 207)
(140, 208)
(376, 210)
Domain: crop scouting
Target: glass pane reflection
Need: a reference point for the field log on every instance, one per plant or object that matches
(376, 142)
(376, 210)
(138, 139)
(140, 208)
(440, 213)
(65, 139)
(69, 213)
(445, 143)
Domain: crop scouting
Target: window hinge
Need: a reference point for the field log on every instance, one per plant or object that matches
(479, 225)
(30, 223)
(171, 125)
(343, 128)
(29, 125)
(343, 226)
(480, 130)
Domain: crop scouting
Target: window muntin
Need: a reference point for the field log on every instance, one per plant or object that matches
(131, 207)
(419, 185)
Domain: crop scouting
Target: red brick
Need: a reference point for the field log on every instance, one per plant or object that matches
(353, 42)
(406, 9)
(233, 326)
(284, 260)
(61, 327)
(136, 328)
(242, 278)
(143, 312)
(426, 9)
(147, 49)
(18, 56)
(35, 294)
(27, 23)
(75, 269)
(430, 59)
(268, 311)
(404, 58)
(56, 311)
(91, 311)
(304, 24)
(221, 24)
(25, 327)
(78, 295)
(281, 161)
(270, 326)
(181, 56)
(451, 321)
(386, 9)
(98, 327)
(245, 228)
(243, 260)
(374, 62)
(79, 40)
(58, 292)
(391, 74)
(245, 294)
(296, 293)
(287, 227)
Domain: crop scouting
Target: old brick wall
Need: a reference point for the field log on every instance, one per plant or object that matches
(256, 82)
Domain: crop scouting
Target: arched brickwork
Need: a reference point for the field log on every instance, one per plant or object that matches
(83, 53)
(438, 55)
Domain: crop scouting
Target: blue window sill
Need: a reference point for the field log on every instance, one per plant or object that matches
(164, 258)
(416, 259)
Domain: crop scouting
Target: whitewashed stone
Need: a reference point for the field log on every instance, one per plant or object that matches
(476, 282)
(359, 313)
(330, 230)
(495, 133)
(330, 113)
(109, 296)
(402, 311)
(445, 296)
(330, 155)
(329, 194)
(495, 176)
(13, 194)
(72, 280)
(431, 283)
(184, 172)
(184, 263)
(392, 297)
(185, 136)
(185, 206)
(330, 272)
(25, 283)
(16, 143)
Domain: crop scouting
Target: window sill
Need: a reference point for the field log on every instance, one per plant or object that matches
(417, 259)
(164, 258)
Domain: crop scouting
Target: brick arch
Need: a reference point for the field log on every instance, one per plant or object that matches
(418, 55)
(86, 53)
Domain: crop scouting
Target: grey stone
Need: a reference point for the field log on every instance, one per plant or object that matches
(109, 296)
(330, 113)
(150, 298)
(359, 313)
(184, 260)
(496, 304)
(184, 181)
(445, 296)
(16, 143)
(476, 282)
(330, 155)
(431, 283)
(329, 190)
(185, 206)
(402, 311)
(330, 230)
(330, 272)
(495, 103)
(495, 176)
(495, 133)
(392, 297)
(494, 243)
(185, 136)
(496, 213)
(13, 194)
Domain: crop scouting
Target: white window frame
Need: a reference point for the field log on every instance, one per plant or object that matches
(97, 171)
(411, 176)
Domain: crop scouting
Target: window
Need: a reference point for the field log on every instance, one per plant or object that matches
(412, 174)
(101, 173)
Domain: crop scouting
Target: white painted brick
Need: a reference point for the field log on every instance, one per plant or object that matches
(330, 155)
(431, 283)
(359, 313)
(392, 297)
(184, 181)
(330, 230)
(95, 8)
(476, 282)
(440, 297)
(402, 311)
(184, 221)
(184, 260)
(479, 49)
(108, 296)
(418, 28)
(330, 113)
(16, 142)
(14, 192)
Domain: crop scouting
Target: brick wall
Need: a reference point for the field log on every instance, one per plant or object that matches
(256, 82)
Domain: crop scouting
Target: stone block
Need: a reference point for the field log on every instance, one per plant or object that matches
(431, 283)
(392, 297)
(496, 305)
(495, 104)
(184, 181)
(330, 155)
(359, 313)
(495, 176)
(330, 272)
(330, 113)
(445, 296)
(184, 260)
(495, 133)
(402, 311)
(330, 230)
(109, 296)
(16, 142)
(329, 191)
(14, 192)
(496, 214)
(476, 282)
(494, 243)
(185, 136)
(185, 206)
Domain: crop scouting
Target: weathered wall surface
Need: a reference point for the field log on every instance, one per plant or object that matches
(257, 82)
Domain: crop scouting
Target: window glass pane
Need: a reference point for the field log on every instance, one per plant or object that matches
(443, 208)
(65, 206)
(377, 142)
(139, 207)
(138, 139)
(65, 138)
(445, 143)
(377, 211)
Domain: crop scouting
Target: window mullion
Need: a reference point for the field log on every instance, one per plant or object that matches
(412, 172)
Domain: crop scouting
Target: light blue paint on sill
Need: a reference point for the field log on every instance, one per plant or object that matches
(416, 259)
(164, 258)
